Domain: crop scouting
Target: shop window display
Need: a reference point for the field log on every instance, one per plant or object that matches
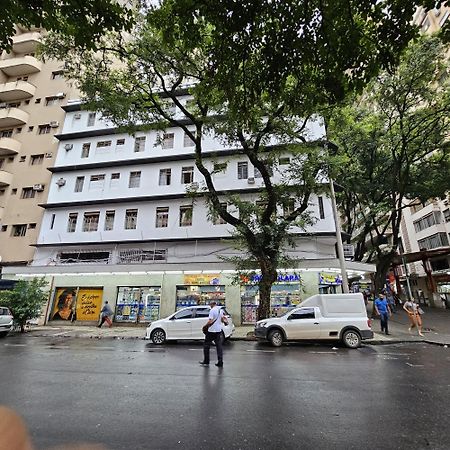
(200, 295)
(138, 304)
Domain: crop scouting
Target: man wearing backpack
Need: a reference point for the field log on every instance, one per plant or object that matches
(213, 333)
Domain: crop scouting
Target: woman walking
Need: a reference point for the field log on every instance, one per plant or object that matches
(414, 315)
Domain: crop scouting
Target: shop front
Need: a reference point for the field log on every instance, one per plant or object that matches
(200, 289)
(330, 283)
(285, 295)
(137, 304)
(72, 303)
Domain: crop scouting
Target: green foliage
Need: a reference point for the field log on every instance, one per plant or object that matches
(26, 300)
(258, 73)
(85, 21)
(395, 140)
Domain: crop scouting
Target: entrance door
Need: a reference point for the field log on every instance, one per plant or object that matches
(180, 325)
(302, 324)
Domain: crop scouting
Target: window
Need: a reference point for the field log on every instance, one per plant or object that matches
(23, 78)
(120, 142)
(13, 105)
(37, 159)
(285, 161)
(19, 230)
(2, 161)
(165, 177)
(57, 75)
(168, 140)
(257, 173)
(186, 215)
(202, 312)
(217, 220)
(135, 180)
(187, 175)
(109, 220)
(19, 130)
(6, 133)
(32, 226)
(52, 221)
(242, 170)
(434, 241)
(4, 228)
(321, 210)
(90, 221)
(79, 183)
(37, 101)
(96, 182)
(28, 192)
(304, 313)
(13, 191)
(131, 219)
(447, 215)
(139, 144)
(103, 147)
(30, 129)
(50, 101)
(187, 141)
(44, 129)
(91, 119)
(22, 159)
(427, 221)
(162, 217)
(186, 314)
(288, 207)
(85, 150)
(115, 179)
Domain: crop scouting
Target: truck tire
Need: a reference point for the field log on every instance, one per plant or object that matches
(276, 338)
(351, 338)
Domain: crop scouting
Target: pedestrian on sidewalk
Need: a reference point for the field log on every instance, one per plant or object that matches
(213, 333)
(415, 320)
(382, 309)
(106, 313)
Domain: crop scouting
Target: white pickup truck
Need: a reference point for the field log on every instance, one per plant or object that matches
(333, 317)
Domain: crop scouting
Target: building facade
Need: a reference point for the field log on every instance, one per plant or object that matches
(120, 224)
(31, 95)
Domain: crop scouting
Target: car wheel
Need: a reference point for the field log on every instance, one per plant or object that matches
(3, 334)
(276, 338)
(351, 339)
(158, 336)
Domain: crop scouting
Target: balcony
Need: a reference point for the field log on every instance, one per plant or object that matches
(26, 42)
(9, 146)
(5, 178)
(11, 117)
(22, 65)
(16, 90)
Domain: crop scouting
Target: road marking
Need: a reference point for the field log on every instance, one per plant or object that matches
(262, 351)
(15, 345)
(415, 365)
(60, 334)
(325, 353)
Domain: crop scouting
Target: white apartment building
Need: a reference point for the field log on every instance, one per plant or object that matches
(120, 226)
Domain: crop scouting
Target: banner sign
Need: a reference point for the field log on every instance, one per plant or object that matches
(330, 278)
(202, 279)
(89, 303)
(72, 303)
(281, 278)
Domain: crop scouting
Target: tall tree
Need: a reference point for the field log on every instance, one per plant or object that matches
(395, 139)
(86, 21)
(259, 71)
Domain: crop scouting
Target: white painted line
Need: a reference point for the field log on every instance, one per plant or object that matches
(415, 365)
(261, 351)
(60, 334)
(15, 345)
(325, 353)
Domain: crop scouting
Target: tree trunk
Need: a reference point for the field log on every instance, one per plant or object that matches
(383, 265)
(22, 327)
(268, 277)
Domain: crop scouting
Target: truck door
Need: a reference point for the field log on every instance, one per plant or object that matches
(303, 324)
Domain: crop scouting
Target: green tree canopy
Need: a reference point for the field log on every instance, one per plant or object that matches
(394, 139)
(86, 21)
(258, 72)
(25, 300)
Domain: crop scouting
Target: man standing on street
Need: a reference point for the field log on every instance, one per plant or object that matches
(383, 310)
(213, 333)
(106, 313)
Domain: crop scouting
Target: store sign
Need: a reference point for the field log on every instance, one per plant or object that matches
(202, 279)
(330, 278)
(281, 278)
(89, 303)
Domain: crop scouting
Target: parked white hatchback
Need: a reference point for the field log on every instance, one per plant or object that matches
(6, 321)
(333, 317)
(185, 324)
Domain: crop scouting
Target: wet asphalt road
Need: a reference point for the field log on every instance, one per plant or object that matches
(129, 394)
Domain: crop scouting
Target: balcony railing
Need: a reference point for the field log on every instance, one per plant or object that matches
(11, 117)
(21, 65)
(9, 146)
(16, 90)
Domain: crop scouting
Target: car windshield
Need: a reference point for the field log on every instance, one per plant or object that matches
(4, 312)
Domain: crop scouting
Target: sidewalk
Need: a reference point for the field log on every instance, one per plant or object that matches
(436, 330)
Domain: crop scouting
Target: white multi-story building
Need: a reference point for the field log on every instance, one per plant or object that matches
(120, 224)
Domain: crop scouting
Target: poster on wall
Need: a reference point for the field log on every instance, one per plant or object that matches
(64, 304)
(72, 303)
(89, 303)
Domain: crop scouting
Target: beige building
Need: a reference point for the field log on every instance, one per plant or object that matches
(31, 95)
(432, 20)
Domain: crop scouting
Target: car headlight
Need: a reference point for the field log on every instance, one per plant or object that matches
(261, 324)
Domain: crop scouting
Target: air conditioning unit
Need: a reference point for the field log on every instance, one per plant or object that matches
(77, 116)
(61, 182)
(68, 147)
(38, 187)
(60, 95)
(54, 124)
(49, 155)
(194, 185)
(251, 180)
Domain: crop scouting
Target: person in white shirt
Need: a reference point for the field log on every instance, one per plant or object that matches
(213, 333)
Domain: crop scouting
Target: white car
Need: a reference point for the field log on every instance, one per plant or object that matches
(6, 321)
(185, 324)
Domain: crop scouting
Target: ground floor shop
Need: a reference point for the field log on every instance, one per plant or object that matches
(138, 297)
